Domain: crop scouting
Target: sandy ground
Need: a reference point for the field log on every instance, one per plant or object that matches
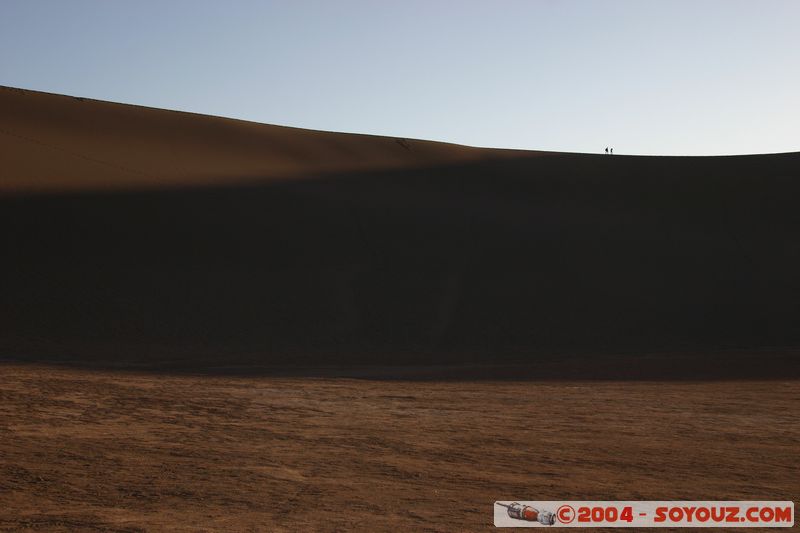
(100, 450)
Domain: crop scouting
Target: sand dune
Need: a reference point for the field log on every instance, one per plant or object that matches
(185, 244)
(52, 142)
(136, 234)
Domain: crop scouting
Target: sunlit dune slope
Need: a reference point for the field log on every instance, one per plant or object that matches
(282, 246)
(51, 142)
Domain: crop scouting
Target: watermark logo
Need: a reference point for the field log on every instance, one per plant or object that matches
(726, 514)
(528, 513)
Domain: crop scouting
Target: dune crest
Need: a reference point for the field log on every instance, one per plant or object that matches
(50, 142)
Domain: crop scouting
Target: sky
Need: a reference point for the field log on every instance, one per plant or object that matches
(672, 77)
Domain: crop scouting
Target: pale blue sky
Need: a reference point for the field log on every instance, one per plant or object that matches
(647, 77)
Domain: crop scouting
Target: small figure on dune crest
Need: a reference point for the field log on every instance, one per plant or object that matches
(612, 151)
(606, 150)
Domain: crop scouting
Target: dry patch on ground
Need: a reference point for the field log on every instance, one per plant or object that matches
(114, 451)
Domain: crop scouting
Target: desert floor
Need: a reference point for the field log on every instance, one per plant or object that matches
(124, 451)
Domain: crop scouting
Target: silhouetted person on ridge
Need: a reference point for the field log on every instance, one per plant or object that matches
(606, 150)
(612, 151)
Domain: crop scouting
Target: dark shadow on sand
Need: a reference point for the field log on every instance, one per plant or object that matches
(539, 266)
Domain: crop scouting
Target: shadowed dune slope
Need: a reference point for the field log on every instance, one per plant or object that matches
(147, 235)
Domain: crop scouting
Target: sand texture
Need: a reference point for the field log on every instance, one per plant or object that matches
(211, 324)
